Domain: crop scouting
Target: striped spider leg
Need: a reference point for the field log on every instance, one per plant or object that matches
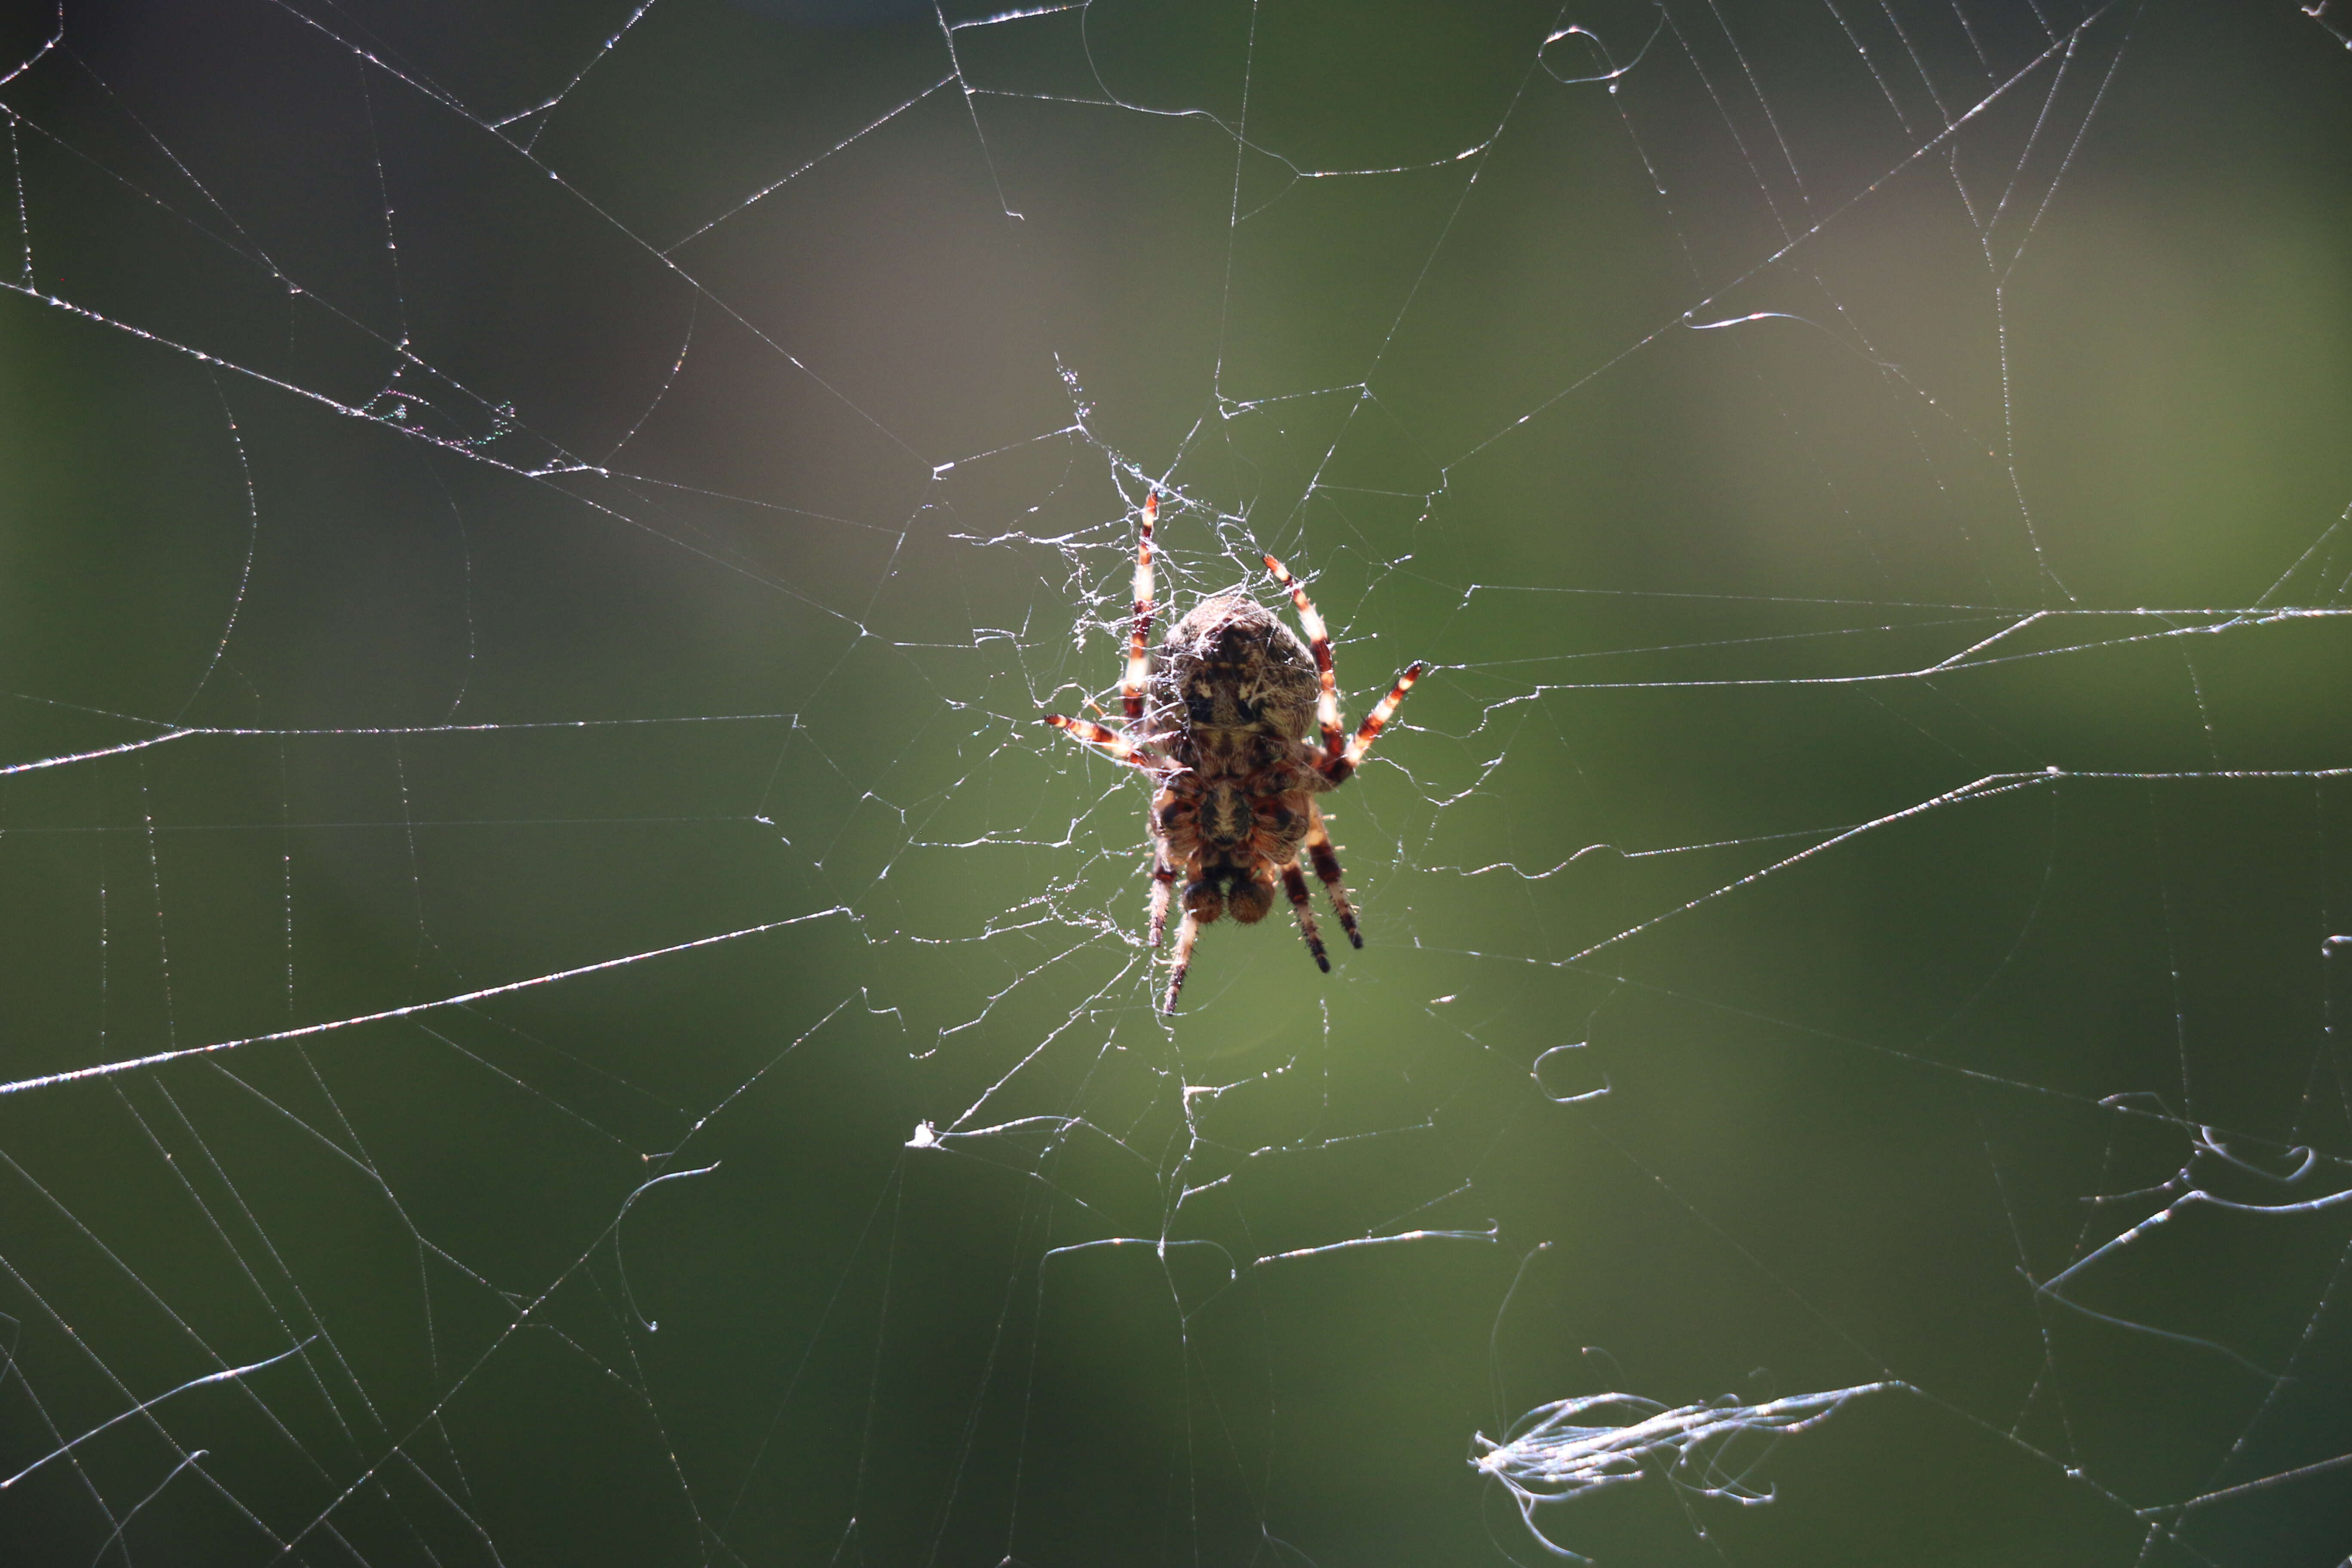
(1139, 641)
(1341, 755)
(1145, 752)
(1327, 868)
(1339, 767)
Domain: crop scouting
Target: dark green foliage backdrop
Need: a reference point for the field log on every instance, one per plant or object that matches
(556, 1006)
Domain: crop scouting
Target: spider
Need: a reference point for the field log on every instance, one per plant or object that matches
(1219, 719)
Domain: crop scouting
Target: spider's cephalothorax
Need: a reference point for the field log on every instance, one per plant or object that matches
(1220, 718)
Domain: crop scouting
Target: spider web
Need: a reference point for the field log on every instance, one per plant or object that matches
(556, 1004)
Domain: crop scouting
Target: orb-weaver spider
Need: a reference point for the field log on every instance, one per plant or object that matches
(1219, 718)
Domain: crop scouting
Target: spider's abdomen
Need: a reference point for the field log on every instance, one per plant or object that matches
(1232, 666)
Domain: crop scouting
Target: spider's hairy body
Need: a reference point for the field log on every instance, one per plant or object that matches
(1219, 716)
(1232, 698)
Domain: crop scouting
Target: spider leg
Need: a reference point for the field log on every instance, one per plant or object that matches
(1294, 882)
(1163, 882)
(1141, 755)
(1139, 642)
(1327, 866)
(1188, 930)
(1319, 642)
(1338, 767)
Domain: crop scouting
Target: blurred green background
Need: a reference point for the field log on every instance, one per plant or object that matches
(525, 500)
